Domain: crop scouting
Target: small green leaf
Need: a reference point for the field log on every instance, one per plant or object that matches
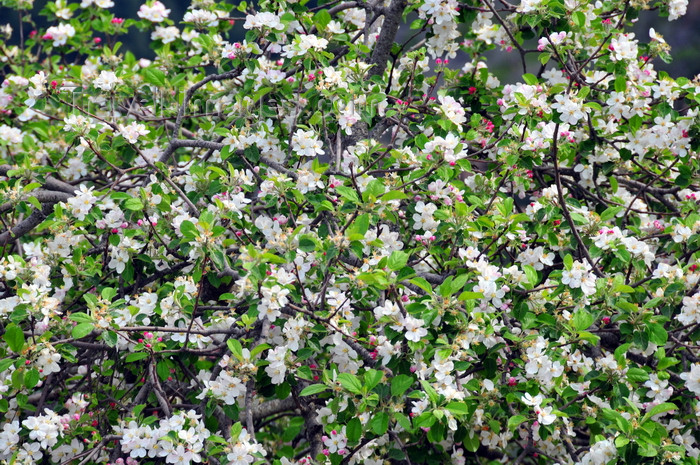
(379, 423)
(188, 229)
(306, 245)
(637, 375)
(313, 389)
(315, 118)
(136, 356)
(621, 441)
(350, 382)
(468, 295)
(423, 284)
(399, 384)
(471, 441)
(31, 378)
(257, 349)
(354, 430)
(394, 195)
(513, 422)
(530, 79)
(14, 337)
(582, 320)
(348, 194)
(657, 409)
(35, 203)
(397, 260)
(81, 318)
(133, 204)
(321, 19)
(621, 83)
(372, 378)
(657, 334)
(568, 261)
(154, 76)
(457, 408)
(81, 330)
(235, 347)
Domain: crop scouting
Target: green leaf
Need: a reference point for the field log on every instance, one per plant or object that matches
(348, 194)
(530, 79)
(621, 441)
(81, 318)
(81, 330)
(394, 195)
(18, 379)
(154, 76)
(513, 422)
(397, 260)
(379, 423)
(315, 118)
(579, 18)
(136, 356)
(657, 334)
(235, 347)
(568, 261)
(257, 349)
(403, 421)
(133, 204)
(5, 364)
(188, 229)
(359, 227)
(31, 378)
(111, 338)
(399, 384)
(621, 83)
(313, 389)
(35, 203)
(647, 450)
(620, 421)
(583, 93)
(582, 320)
(354, 430)
(457, 408)
(666, 362)
(469, 295)
(657, 409)
(471, 441)
(306, 245)
(423, 284)
(350, 382)
(321, 19)
(14, 337)
(610, 213)
(163, 370)
(637, 375)
(372, 378)
(374, 189)
(108, 293)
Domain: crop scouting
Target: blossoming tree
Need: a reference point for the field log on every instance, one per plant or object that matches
(326, 243)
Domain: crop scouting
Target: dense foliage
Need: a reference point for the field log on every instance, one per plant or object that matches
(326, 243)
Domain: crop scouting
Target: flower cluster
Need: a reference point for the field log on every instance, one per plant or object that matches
(294, 233)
